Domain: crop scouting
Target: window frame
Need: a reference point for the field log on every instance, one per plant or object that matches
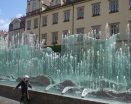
(34, 5)
(78, 29)
(113, 6)
(28, 24)
(55, 18)
(80, 35)
(80, 12)
(96, 9)
(65, 33)
(66, 15)
(56, 2)
(36, 23)
(98, 29)
(114, 28)
(54, 37)
(44, 36)
(44, 21)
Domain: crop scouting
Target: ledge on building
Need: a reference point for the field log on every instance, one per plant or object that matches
(56, 6)
(35, 27)
(66, 20)
(44, 25)
(113, 12)
(54, 23)
(80, 18)
(94, 15)
(54, 42)
(33, 12)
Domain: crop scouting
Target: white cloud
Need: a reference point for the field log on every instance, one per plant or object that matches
(19, 15)
(2, 21)
(4, 24)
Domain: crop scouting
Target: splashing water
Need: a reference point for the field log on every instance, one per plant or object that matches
(90, 63)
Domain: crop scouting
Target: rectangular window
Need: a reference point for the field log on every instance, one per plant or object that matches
(55, 18)
(28, 24)
(80, 13)
(96, 9)
(113, 6)
(130, 4)
(66, 15)
(44, 21)
(80, 33)
(56, 2)
(114, 29)
(96, 32)
(65, 33)
(44, 38)
(34, 5)
(54, 37)
(36, 23)
(15, 25)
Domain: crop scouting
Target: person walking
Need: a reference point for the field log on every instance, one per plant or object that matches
(24, 88)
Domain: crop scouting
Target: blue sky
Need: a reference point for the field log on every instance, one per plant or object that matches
(10, 9)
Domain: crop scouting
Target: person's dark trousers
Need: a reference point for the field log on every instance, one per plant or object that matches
(25, 95)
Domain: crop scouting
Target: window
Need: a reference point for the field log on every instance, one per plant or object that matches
(96, 32)
(34, 5)
(36, 23)
(66, 15)
(56, 2)
(113, 6)
(28, 24)
(130, 4)
(55, 18)
(80, 33)
(54, 37)
(114, 29)
(44, 37)
(15, 25)
(80, 13)
(65, 33)
(44, 21)
(96, 9)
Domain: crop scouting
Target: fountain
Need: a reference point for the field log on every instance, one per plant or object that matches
(87, 65)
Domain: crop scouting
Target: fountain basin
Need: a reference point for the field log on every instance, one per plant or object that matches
(43, 97)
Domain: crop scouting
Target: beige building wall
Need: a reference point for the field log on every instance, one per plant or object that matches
(122, 17)
(60, 27)
(32, 29)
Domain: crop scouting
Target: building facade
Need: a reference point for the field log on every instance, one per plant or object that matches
(50, 19)
(17, 26)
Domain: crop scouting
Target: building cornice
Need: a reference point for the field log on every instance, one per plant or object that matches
(56, 7)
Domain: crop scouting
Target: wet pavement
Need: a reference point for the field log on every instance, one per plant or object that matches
(4, 100)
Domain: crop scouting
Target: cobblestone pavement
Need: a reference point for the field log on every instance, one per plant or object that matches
(4, 100)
